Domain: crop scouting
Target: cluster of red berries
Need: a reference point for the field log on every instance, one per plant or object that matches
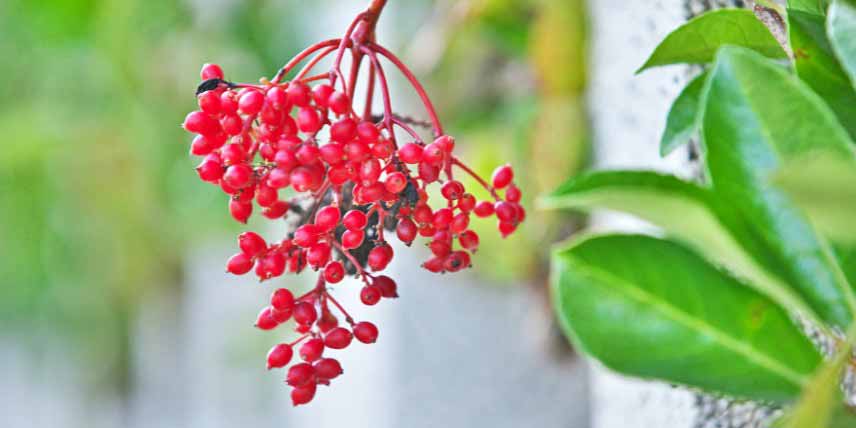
(347, 182)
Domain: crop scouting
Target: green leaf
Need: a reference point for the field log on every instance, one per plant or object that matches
(816, 7)
(824, 187)
(821, 403)
(841, 26)
(817, 65)
(756, 117)
(683, 120)
(687, 212)
(690, 323)
(698, 40)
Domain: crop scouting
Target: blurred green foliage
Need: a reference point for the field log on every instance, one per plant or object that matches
(97, 192)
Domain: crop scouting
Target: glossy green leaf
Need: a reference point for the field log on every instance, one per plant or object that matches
(825, 189)
(690, 324)
(698, 40)
(841, 26)
(821, 402)
(816, 7)
(817, 65)
(683, 120)
(686, 212)
(756, 117)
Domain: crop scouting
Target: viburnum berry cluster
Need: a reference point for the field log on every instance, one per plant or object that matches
(342, 181)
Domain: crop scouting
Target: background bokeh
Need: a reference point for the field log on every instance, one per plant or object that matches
(111, 251)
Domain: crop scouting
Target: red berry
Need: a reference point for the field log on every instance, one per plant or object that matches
(433, 154)
(239, 264)
(251, 102)
(211, 71)
(332, 153)
(506, 228)
(308, 120)
(276, 97)
(459, 223)
(240, 211)
(410, 153)
(318, 255)
(469, 240)
(279, 356)
(306, 235)
(327, 218)
(365, 332)
(312, 350)
(505, 212)
(513, 194)
(406, 230)
(298, 94)
(370, 295)
(338, 338)
(386, 285)
(352, 239)
(467, 202)
(442, 218)
(355, 220)
(395, 182)
(334, 272)
(303, 395)
(304, 313)
(300, 374)
(251, 243)
(270, 266)
(209, 102)
(277, 210)
(238, 175)
(367, 132)
(502, 176)
(446, 143)
(282, 300)
(452, 190)
(201, 123)
(379, 257)
(484, 209)
(344, 130)
(321, 94)
(229, 102)
(434, 264)
(282, 316)
(339, 103)
(210, 171)
(327, 368)
(440, 248)
(265, 320)
(428, 173)
(456, 261)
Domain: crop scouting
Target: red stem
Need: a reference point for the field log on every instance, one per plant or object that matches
(417, 86)
(457, 162)
(314, 61)
(367, 111)
(341, 309)
(301, 56)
